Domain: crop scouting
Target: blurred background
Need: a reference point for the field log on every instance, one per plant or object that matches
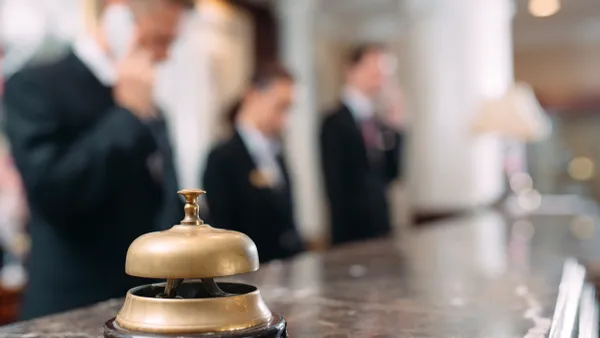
(500, 97)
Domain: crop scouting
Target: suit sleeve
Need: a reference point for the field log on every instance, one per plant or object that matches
(333, 171)
(66, 176)
(220, 192)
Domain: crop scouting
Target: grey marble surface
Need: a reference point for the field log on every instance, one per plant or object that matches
(477, 276)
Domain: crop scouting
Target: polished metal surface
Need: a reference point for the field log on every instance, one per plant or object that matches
(195, 312)
(191, 249)
(482, 275)
(274, 328)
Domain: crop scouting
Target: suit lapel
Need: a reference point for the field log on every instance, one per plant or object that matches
(246, 161)
(284, 171)
(354, 131)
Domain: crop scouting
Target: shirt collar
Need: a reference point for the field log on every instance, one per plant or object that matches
(98, 62)
(361, 106)
(257, 142)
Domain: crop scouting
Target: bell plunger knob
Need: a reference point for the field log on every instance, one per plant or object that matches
(191, 208)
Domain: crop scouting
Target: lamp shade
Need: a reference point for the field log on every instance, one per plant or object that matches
(516, 115)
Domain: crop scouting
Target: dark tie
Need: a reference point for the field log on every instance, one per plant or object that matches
(159, 162)
(370, 131)
(372, 138)
(282, 186)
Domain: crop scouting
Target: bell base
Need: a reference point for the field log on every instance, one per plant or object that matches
(276, 328)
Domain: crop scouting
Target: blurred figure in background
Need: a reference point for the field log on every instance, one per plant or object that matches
(13, 217)
(246, 177)
(360, 152)
(94, 157)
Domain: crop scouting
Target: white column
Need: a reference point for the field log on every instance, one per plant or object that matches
(186, 95)
(461, 54)
(191, 84)
(297, 19)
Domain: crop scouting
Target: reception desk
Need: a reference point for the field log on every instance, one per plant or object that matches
(476, 276)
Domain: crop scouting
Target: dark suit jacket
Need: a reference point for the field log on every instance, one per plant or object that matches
(237, 202)
(84, 163)
(356, 185)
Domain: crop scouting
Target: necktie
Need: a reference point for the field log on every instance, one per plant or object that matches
(282, 186)
(372, 137)
(371, 133)
(161, 157)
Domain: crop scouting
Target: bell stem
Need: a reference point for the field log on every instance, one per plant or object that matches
(213, 289)
(171, 288)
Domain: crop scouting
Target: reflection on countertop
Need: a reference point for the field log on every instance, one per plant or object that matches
(477, 276)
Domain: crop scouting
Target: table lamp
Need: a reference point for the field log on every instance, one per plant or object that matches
(516, 115)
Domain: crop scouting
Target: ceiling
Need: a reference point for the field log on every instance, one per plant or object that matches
(358, 7)
(360, 19)
(577, 21)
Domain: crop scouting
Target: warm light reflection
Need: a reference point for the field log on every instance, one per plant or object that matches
(544, 8)
(529, 200)
(583, 227)
(581, 168)
(520, 182)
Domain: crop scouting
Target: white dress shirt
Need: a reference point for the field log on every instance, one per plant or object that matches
(360, 105)
(264, 152)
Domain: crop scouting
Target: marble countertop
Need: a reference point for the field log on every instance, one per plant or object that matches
(476, 276)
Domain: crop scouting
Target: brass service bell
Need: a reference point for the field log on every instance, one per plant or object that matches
(190, 303)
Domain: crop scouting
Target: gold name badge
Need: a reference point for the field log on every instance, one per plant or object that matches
(258, 179)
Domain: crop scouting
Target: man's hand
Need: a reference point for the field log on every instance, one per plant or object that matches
(135, 83)
(395, 115)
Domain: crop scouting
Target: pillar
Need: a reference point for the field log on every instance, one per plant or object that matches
(297, 50)
(208, 69)
(186, 95)
(461, 54)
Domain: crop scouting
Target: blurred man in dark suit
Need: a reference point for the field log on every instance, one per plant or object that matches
(247, 182)
(360, 152)
(94, 156)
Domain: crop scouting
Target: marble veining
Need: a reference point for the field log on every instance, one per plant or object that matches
(461, 278)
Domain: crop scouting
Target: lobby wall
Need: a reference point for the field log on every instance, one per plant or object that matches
(560, 72)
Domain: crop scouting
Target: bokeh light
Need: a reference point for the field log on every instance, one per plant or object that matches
(544, 8)
(581, 168)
